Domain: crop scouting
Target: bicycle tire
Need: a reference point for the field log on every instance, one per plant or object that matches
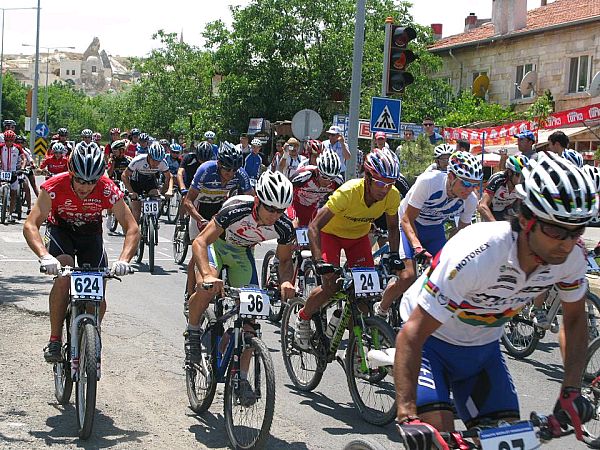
(591, 391)
(19, 202)
(362, 444)
(63, 383)
(289, 352)
(139, 256)
(151, 243)
(520, 337)
(379, 379)
(264, 375)
(111, 223)
(5, 203)
(276, 311)
(201, 395)
(85, 398)
(173, 207)
(180, 245)
(594, 300)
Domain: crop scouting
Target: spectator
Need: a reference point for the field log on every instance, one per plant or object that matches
(253, 161)
(244, 146)
(381, 140)
(337, 144)
(463, 145)
(525, 141)
(408, 135)
(429, 128)
(558, 142)
(289, 161)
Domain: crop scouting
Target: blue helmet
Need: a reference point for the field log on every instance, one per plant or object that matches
(573, 156)
(382, 163)
(176, 148)
(156, 151)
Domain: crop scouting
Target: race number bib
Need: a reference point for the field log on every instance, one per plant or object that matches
(150, 207)
(366, 281)
(592, 265)
(87, 285)
(302, 236)
(513, 437)
(5, 176)
(254, 303)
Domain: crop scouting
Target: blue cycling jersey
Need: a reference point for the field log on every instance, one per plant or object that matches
(252, 165)
(139, 150)
(215, 150)
(211, 190)
(173, 164)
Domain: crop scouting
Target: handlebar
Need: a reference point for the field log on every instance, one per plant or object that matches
(105, 271)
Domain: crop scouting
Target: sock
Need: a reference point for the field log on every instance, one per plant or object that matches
(54, 338)
(302, 314)
(193, 327)
(243, 375)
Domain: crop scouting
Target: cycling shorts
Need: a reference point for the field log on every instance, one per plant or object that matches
(477, 376)
(241, 267)
(432, 238)
(358, 251)
(304, 214)
(144, 184)
(83, 248)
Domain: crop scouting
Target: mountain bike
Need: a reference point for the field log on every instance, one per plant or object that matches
(20, 198)
(181, 237)
(150, 207)
(247, 423)
(304, 274)
(5, 178)
(521, 335)
(81, 344)
(371, 386)
(173, 204)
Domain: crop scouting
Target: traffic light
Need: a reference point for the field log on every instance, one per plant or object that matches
(399, 58)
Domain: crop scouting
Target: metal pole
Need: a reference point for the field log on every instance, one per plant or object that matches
(46, 89)
(359, 27)
(36, 80)
(386, 55)
(2, 66)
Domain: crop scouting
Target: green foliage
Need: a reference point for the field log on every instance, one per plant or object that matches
(14, 96)
(467, 109)
(541, 108)
(415, 157)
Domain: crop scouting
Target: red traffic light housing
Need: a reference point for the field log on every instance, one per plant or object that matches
(399, 58)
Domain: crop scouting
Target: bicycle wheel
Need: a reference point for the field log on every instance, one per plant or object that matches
(63, 383)
(180, 244)
(593, 310)
(200, 379)
(19, 202)
(5, 202)
(304, 368)
(361, 444)
(248, 426)
(268, 279)
(520, 336)
(151, 243)
(111, 223)
(590, 388)
(139, 256)
(173, 207)
(372, 389)
(85, 396)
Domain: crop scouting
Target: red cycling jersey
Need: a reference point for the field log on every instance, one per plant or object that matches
(131, 150)
(309, 195)
(77, 214)
(55, 166)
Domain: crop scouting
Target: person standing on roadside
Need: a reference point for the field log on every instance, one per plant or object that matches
(429, 128)
(337, 144)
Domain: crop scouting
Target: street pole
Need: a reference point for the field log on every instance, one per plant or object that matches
(2, 66)
(359, 28)
(46, 88)
(36, 80)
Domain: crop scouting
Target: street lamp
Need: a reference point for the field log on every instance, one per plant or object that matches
(2, 53)
(47, 60)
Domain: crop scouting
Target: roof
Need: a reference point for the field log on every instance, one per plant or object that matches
(561, 13)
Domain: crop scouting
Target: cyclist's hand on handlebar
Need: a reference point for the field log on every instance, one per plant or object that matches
(323, 268)
(183, 192)
(394, 262)
(212, 284)
(422, 256)
(573, 409)
(49, 265)
(418, 435)
(287, 290)
(120, 268)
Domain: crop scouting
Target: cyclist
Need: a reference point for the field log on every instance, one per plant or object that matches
(86, 136)
(441, 154)
(12, 159)
(212, 184)
(131, 149)
(115, 135)
(454, 313)
(57, 162)
(118, 161)
(140, 176)
(500, 198)
(190, 163)
(73, 203)
(143, 143)
(7, 124)
(210, 137)
(97, 137)
(173, 160)
(228, 239)
(30, 167)
(63, 136)
(344, 224)
(253, 161)
(312, 149)
(434, 198)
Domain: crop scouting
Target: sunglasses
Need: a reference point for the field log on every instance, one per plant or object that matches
(84, 182)
(427, 124)
(273, 210)
(227, 169)
(560, 233)
(468, 184)
(382, 184)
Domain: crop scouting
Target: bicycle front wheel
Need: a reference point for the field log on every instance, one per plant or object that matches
(173, 207)
(372, 389)
(520, 337)
(180, 244)
(111, 223)
(5, 202)
(63, 383)
(151, 243)
(248, 418)
(268, 279)
(85, 398)
(590, 389)
(139, 256)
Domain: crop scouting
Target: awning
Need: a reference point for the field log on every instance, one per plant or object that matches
(542, 135)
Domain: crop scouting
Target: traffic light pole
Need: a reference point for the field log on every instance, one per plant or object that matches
(386, 55)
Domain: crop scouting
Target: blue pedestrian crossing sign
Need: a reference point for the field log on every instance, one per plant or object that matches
(41, 130)
(385, 115)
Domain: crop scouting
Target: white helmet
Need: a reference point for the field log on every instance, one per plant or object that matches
(329, 164)
(256, 142)
(210, 135)
(556, 190)
(465, 165)
(443, 149)
(594, 173)
(87, 162)
(273, 189)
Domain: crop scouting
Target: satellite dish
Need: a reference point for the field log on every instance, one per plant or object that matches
(481, 85)
(307, 124)
(594, 89)
(528, 82)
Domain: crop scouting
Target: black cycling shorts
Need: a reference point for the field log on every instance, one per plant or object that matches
(84, 248)
(144, 184)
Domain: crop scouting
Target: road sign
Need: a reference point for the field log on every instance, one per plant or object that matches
(341, 121)
(307, 124)
(41, 146)
(385, 115)
(41, 130)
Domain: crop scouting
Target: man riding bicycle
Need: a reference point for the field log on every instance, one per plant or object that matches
(441, 154)
(55, 162)
(118, 161)
(73, 202)
(12, 158)
(454, 313)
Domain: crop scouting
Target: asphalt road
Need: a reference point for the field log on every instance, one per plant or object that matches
(326, 416)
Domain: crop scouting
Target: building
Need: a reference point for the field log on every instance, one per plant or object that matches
(559, 42)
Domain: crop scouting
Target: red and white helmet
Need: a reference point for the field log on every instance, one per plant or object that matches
(382, 163)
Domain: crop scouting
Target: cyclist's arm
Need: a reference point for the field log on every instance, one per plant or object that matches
(111, 168)
(286, 268)
(407, 362)
(126, 178)
(31, 228)
(23, 160)
(408, 225)
(130, 227)
(188, 203)
(484, 207)
(324, 215)
(393, 231)
(180, 173)
(574, 340)
(210, 234)
(168, 181)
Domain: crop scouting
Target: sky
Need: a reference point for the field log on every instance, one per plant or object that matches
(125, 27)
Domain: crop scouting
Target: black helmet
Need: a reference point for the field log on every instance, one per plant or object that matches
(20, 139)
(204, 151)
(144, 137)
(230, 156)
(63, 131)
(135, 132)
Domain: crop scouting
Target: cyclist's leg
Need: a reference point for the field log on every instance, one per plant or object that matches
(14, 186)
(135, 204)
(396, 288)
(200, 299)
(193, 231)
(27, 188)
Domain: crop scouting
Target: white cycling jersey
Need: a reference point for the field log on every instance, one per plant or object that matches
(429, 195)
(476, 285)
(140, 166)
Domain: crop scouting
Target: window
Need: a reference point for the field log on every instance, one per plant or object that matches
(521, 72)
(580, 73)
(93, 69)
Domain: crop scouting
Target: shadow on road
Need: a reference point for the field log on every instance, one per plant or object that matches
(20, 287)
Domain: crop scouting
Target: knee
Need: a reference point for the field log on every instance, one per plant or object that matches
(407, 275)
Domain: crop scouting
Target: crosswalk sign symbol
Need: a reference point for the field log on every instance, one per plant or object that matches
(385, 115)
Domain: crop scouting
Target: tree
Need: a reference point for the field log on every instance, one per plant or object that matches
(467, 108)
(14, 96)
(415, 157)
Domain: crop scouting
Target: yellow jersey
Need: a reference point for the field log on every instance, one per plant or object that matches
(352, 217)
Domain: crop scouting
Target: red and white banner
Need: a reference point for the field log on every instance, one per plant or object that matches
(573, 116)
